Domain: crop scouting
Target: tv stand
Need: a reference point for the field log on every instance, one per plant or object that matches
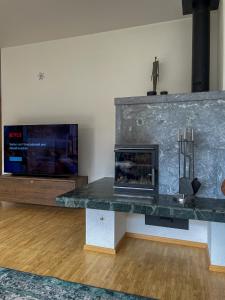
(37, 190)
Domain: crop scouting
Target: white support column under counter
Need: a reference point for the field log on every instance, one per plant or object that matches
(104, 230)
(216, 244)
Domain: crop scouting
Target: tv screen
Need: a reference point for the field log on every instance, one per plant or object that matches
(46, 150)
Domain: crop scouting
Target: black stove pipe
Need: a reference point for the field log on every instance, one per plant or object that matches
(200, 45)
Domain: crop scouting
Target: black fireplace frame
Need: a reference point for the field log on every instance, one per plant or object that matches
(137, 189)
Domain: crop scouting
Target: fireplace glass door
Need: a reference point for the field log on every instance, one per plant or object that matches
(136, 168)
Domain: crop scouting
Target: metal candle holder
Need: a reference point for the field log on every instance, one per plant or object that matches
(186, 160)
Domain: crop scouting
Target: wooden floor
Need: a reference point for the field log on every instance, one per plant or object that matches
(49, 241)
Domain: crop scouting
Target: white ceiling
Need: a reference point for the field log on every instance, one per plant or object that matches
(28, 21)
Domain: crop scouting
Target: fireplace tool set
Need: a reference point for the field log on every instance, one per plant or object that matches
(188, 184)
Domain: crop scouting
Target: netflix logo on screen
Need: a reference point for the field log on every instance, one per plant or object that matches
(15, 134)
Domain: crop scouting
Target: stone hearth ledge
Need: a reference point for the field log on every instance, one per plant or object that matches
(100, 195)
(106, 217)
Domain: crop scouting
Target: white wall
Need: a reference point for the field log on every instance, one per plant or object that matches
(198, 230)
(100, 228)
(84, 74)
(216, 243)
(104, 228)
(221, 46)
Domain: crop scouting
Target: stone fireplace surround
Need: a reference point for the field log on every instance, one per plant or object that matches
(156, 120)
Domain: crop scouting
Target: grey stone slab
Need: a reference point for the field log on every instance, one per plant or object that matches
(156, 120)
(213, 95)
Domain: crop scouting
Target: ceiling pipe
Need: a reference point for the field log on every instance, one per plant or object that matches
(200, 10)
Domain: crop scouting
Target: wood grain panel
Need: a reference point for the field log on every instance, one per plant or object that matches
(49, 241)
(166, 240)
(219, 269)
(36, 190)
(98, 249)
(104, 249)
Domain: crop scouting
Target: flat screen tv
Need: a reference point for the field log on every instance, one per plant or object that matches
(41, 150)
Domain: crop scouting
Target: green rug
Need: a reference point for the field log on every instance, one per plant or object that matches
(15, 285)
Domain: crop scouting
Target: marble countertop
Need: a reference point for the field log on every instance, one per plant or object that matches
(101, 195)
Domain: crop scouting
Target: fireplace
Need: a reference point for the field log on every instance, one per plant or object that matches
(136, 169)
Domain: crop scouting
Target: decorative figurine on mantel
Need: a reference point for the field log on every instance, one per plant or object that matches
(154, 77)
